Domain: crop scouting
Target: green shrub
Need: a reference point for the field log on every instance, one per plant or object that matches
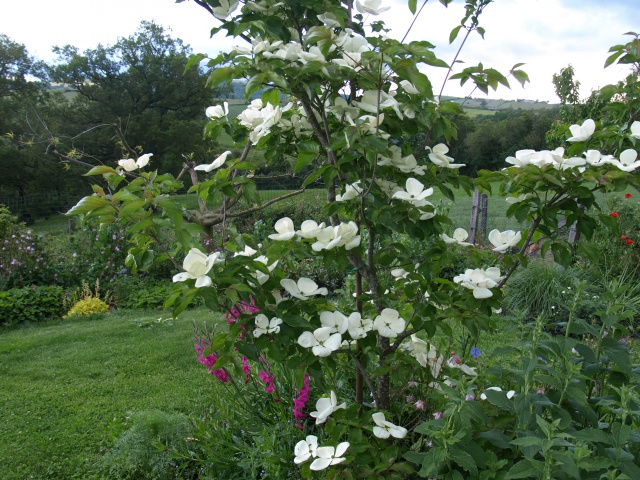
(142, 451)
(139, 292)
(32, 304)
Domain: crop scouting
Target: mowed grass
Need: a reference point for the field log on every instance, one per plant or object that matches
(68, 387)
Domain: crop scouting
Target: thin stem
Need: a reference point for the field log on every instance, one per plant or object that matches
(415, 17)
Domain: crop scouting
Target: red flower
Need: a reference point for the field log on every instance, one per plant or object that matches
(623, 237)
(629, 242)
(627, 195)
(613, 214)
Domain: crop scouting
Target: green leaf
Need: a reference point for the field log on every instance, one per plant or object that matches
(99, 170)
(524, 469)
(134, 206)
(463, 459)
(454, 34)
(304, 160)
(413, 5)
(194, 59)
(219, 75)
(271, 96)
(88, 204)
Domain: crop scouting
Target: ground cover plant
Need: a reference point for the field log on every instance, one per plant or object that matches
(567, 408)
(72, 388)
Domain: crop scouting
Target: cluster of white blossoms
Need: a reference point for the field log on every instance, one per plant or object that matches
(129, 164)
(324, 456)
(329, 337)
(407, 164)
(344, 235)
(480, 281)
(259, 118)
(627, 162)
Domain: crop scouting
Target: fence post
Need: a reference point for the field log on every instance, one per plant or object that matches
(475, 207)
(484, 202)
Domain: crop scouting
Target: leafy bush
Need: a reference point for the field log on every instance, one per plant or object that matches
(33, 304)
(142, 451)
(130, 291)
(87, 306)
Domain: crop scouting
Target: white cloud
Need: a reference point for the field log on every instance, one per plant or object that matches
(546, 35)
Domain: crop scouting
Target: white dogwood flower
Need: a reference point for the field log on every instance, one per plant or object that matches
(196, 265)
(459, 237)
(266, 326)
(385, 429)
(334, 320)
(129, 164)
(305, 449)
(286, 230)
(321, 341)
(440, 158)
(389, 323)
(310, 229)
(325, 407)
(217, 163)
(627, 162)
(414, 193)
(582, 133)
(303, 289)
(480, 281)
(358, 326)
(217, 111)
(371, 6)
(225, 9)
(635, 130)
(502, 241)
(327, 456)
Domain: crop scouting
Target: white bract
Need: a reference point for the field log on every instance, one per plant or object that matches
(426, 355)
(350, 192)
(480, 281)
(266, 326)
(389, 323)
(327, 456)
(415, 192)
(459, 237)
(129, 164)
(344, 235)
(285, 229)
(582, 133)
(325, 407)
(321, 341)
(519, 198)
(510, 393)
(303, 289)
(305, 449)
(217, 111)
(409, 87)
(385, 429)
(358, 326)
(261, 276)
(336, 321)
(627, 162)
(310, 229)
(196, 265)
(635, 130)
(440, 158)
(225, 9)
(502, 241)
(371, 6)
(217, 163)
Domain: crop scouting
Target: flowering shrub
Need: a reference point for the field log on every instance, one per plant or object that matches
(356, 97)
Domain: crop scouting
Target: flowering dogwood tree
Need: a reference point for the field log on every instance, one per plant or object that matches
(345, 100)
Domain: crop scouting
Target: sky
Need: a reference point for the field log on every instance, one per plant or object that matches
(545, 35)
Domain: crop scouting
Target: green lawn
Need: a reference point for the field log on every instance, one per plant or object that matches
(68, 387)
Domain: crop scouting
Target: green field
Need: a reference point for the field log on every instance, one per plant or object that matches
(69, 387)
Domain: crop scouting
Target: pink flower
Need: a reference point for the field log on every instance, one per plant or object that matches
(410, 399)
(246, 369)
(300, 402)
(469, 397)
(220, 374)
(412, 384)
(420, 405)
(267, 378)
(437, 415)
